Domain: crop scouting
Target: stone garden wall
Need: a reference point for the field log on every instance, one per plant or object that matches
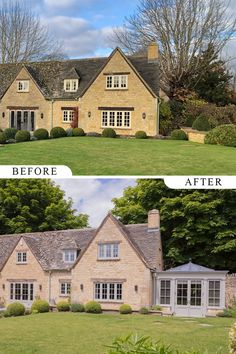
(230, 288)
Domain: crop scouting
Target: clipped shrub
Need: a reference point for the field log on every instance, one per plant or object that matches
(57, 132)
(28, 312)
(178, 134)
(94, 134)
(22, 135)
(109, 133)
(40, 305)
(140, 135)
(78, 132)
(93, 307)
(222, 135)
(77, 308)
(189, 121)
(3, 138)
(63, 306)
(6, 314)
(125, 309)
(69, 131)
(16, 309)
(224, 313)
(41, 134)
(232, 340)
(201, 123)
(144, 311)
(10, 133)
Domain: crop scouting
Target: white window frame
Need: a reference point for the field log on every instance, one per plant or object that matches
(20, 296)
(21, 257)
(117, 116)
(71, 85)
(105, 290)
(69, 256)
(214, 297)
(23, 86)
(165, 290)
(67, 288)
(117, 82)
(108, 251)
(68, 115)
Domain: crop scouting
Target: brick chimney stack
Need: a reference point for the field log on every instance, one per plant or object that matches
(154, 227)
(154, 219)
(153, 52)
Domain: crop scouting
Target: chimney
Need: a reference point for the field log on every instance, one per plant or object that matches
(154, 220)
(153, 52)
(154, 227)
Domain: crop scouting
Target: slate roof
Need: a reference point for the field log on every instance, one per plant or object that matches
(190, 267)
(48, 246)
(50, 75)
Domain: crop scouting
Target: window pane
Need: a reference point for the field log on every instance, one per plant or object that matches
(31, 292)
(112, 119)
(109, 81)
(119, 116)
(112, 291)
(123, 81)
(214, 293)
(165, 292)
(119, 291)
(116, 81)
(108, 251)
(115, 250)
(17, 291)
(127, 119)
(104, 119)
(97, 291)
(104, 291)
(12, 291)
(25, 292)
(182, 294)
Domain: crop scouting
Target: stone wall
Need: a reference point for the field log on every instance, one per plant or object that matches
(194, 135)
(230, 287)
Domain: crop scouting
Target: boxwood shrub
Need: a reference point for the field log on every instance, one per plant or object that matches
(201, 123)
(3, 138)
(40, 306)
(41, 134)
(140, 135)
(63, 306)
(178, 134)
(57, 132)
(144, 311)
(125, 309)
(222, 135)
(77, 308)
(22, 135)
(10, 133)
(93, 307)
(78, 132)
(16, 309)
(109, 133)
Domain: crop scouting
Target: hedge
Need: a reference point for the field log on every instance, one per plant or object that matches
(40, 306)
(22, 135)
(57, 132)
(16, 309)
(41, 134)
(222, 135)
(178, 134)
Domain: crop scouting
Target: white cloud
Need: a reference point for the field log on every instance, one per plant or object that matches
(78, 35)
(60, 3)
(94, 196)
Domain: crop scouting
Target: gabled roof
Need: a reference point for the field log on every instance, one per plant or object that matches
(190, 267)
(50, 75)
(48, 247)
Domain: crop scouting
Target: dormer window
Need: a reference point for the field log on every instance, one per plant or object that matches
(107, 251)
(23, 86)
(71, 85)
(69, 256)
(114, 82)
(21, 257)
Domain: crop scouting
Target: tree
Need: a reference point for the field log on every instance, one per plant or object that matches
(22, 36)
(183, 29)
(194, 224)
(214, 86)
(35, 205)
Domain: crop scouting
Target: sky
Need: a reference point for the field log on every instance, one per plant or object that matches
(94, 196)
(83, 25)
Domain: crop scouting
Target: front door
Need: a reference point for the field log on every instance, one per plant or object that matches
(22, 120)
(188, 298)
(22, 292)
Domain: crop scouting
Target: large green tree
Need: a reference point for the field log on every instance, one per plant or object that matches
(195, 224)
(28, 205)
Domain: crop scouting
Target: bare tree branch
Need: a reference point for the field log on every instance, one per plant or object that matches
(22, 36)
(184, 30)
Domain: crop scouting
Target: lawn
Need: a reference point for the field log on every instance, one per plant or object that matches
(89, 334)
(104, 156)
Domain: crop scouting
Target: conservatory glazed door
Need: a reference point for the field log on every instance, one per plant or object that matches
(189, 298)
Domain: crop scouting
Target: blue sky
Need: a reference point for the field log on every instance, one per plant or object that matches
(83, 25)
(93, 196)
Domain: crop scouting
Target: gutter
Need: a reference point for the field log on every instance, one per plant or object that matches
(49, 287)
(158, 115)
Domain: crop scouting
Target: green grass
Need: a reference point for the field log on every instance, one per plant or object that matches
(72, 333)
(104, 156)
